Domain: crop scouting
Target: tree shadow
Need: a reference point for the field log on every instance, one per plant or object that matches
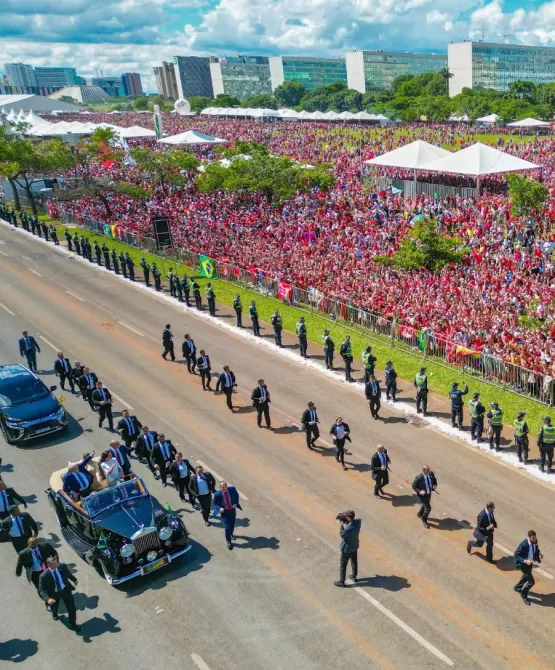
(260, 542)
(17, 650)
(404, 500)
(389, 583)
(97, 626)
(449, 524)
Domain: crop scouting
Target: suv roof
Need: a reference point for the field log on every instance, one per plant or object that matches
(14, 371)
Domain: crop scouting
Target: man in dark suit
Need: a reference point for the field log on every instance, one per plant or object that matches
(102, 400)
(204, 368)
(373, 394)
(76, 373)
(18, 528)
(349, 532)
(261, 402)
(526, 554)
(33, 558)
(8, 498)
(180, 473)
(121, 454)
(145, 446)
(310, 423)
(227, 500)
(167, 342)
(28, 347)
(78, 480)
(226, 382)
(129, 428)
(485, 528)
(380, 470)
(202, 486)
(423, 485)
(62, 366)
(163, 454)
(55, 584)
(189, 351)
(87, 384)
(341, 432)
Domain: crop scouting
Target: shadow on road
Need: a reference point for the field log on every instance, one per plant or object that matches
(404, 501)
(97, 626)
(260, 542)
(389, 583)
(73, 430)
(17, 650)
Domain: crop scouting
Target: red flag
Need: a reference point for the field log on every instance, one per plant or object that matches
(285, 291)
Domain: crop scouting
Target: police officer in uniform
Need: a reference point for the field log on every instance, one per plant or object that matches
(369, 362)
(254, 318)
(521, 437)
(546, 442)
(373, 395)
(88, 249)
(53, 234)
(211, 299)
(495, 416)
(167, 342)
(146, 271)
(390, 381)
(123, 264)
(346, 351)
(477, 412)
(69, 241)
(130, 266)
(300, 329)
(329, 348)
(421, 386)
(115, 261)
(186, 288)
(277, 324)
(171, 284)
(178, 287)
(106, 254)
(457, 404)
(97, 253)
(238, 307)
(75, 241)
(157, 277)
(196, 294)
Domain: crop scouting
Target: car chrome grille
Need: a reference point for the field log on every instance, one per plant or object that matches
(147, 542)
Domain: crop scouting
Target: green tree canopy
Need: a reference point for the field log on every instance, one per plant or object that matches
(289, 94)
(140, 103)
(164, 168)
(198, 103)
(262, 100)
(527, 195)
(223, 100)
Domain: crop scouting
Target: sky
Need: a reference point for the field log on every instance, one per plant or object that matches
(117, 36)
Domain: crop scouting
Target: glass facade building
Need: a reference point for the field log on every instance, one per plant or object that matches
(240, 76)
(192, 74)
(376, 70)
(312, 73)
(54, 78)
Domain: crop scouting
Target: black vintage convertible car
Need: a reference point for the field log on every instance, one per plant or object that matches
(121, 530)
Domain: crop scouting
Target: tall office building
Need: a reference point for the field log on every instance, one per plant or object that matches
(310, 72)
(192, 75)
(132, 85)
(112, 85)
(490, 65)
(240, 76)
(166, 82)
(376, 70)
(20, 75)
(52, 79)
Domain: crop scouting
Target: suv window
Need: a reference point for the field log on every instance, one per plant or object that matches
(21, 391)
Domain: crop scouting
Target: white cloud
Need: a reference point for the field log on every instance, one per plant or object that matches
(435, 17)
(532, 26)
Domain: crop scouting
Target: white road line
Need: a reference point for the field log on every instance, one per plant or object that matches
(5, 254)
(7, 309)
(49, 343)
(197, 660)
(218, 477)
(540, 571)
(133, 330)
(121, 400)
(74, 295)
(34, 272)
(416, 636)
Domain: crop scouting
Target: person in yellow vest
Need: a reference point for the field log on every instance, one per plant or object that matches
(521, 437)
(495, 416)
(546, 442)
(369, 362)
(477, 413)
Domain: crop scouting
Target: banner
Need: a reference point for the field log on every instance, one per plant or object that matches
(464, 351)
(157, 118)
(285, 291)
(207, 267)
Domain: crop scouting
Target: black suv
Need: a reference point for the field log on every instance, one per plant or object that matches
(27, 407)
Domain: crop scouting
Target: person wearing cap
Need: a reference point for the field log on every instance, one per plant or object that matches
(390, 381)
(302, 335)
(546, 442)
(329, 348)
(369, 362)
(477, 413)
(346, 351)
(495, 416)
(421, 386)
(521, 437)
(457, 404)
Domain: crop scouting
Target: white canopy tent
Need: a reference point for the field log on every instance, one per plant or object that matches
(136, 131)
(412, 156)
(528, 123)
(288, 114)
(264, 113)
(191, 137)
(479, 160)
(346, 116)
(489, 120)
(33, 119)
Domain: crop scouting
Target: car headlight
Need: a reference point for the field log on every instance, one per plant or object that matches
(127, 550)
(151, 556)
(14, 423)
(165, 533)
(174, 522)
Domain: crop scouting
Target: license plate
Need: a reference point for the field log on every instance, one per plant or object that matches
(42, 430)
(155, 565)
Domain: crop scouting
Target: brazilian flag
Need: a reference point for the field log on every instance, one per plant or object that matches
(207, 267)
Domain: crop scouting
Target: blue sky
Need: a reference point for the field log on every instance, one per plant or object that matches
(133, 35)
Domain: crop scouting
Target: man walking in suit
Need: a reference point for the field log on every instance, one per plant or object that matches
(340, 431)
(423, 485)
(526, 554)
(189, 350)
(163, 454)
(310, 423)
(87, 383)
(19, 527)
(226, 382)
(167, 342)
(380, 470)
(128, 427)
(485, 527)
(202, 486)
(121, 454)
(33, 558)
(102, 400)
(261, 400)
(180, 473)
(8, 498)
(227, 500)
(349, 532)
(55, 584)
(28, 347)
(145, 446)
(204, 368)
(62, 366)
(78, 480)
(373, 394)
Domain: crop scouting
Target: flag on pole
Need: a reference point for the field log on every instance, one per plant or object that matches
(207, 267)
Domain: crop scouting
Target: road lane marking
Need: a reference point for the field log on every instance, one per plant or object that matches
(7, 309)
(133, 330)
(5, 254)
(416, 636)
(218, 477)
(121, 400)
(34, 272)
(74, 295)
(49, 343)
(197, 660)
(540, 571)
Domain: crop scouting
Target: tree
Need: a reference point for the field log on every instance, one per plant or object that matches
(525, 90)
(263, 100)
(223, 100)
(69, 99)
(425, 247)
(199, 102)
(164, 169)
(289, 94)
(399, 79)
(527, 195)
(348, 100)
(140, 103)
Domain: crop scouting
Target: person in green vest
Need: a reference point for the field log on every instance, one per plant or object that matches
(477, 413)
(238, 307)
(346, 352)
(277, 324)
(301, 334)
(369, 362)
(495, 416)
(211, 299)
(521, 437)
(329, 348)
(546, 442)
(421, 386)
(254, 318)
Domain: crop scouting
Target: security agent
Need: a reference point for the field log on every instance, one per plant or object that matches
(485, 528)
(277, 324)
(178, 288)
(421, 386)
(157, 275)
(380, 470)
(62, 366)
(87, 384)
(204, 368)
(106, 255)
(369, 362)
(373, 394)
(457, 404)
(238, 307)
(115, 261)
(261, 400)
(130, 266)
(8, 498)
(189, 351)
(28, 347)
(521, 437)
(301, 332)
(196, 294)
(310, 423)
(123, 264)
(211, 299)
(495, 416)
(146, 271)
(477, 413)
(57, 583)
(226, 382)
(167, 342)
(186, 289)
(424, 485)
(129, 428)
(349, 532)
(33, 558)
(97, 252)
(390, 381)
(102, 400)
(329, 348)
(527, 553)
(341, 433)
(546, 442)
(254, 318)
(346, 352)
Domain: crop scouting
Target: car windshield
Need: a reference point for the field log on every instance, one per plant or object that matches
(21, 391)
(96, 503)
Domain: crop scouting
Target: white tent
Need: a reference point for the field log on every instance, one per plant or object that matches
(316, 116)
(412, 156)
(528, 123)
(264, 113)
(491, 119)
(21, 117)
(479, 160)
(33, 119)
(464, 118)
(304, 115)
(365, 116)
(330, 116)
(136, 131)
(346, 116)
(207, 111)
(11, 115)
(288, 114)
(191, 137)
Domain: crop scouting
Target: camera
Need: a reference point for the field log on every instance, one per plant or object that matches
(342, 516)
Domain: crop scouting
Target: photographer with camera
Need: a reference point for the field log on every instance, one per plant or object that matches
(350, 528)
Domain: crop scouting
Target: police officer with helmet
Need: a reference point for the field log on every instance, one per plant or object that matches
(421, 386)
(546, 442)
(477, 412)
(495, 416)
(521, 437)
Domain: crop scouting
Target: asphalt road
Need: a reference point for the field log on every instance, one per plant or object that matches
(271, 601)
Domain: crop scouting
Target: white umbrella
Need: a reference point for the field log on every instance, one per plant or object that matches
(191, 137)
